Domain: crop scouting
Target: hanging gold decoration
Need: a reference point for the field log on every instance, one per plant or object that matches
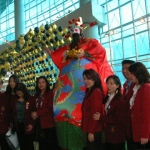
(7, 65)
(54, 26)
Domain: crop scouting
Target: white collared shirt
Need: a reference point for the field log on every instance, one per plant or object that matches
(135, 89)
(108, 101)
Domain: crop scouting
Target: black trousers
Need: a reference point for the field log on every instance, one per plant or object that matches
(120, 146)
(96, 144)
(25, 140)
(139, 146)
(50, 140)
(129, 144)
(3, 143)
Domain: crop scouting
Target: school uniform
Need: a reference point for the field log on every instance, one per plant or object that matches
(44, 110)
(5, 120)
(115, 127)
(127, 94)
(22, 118)
(90, 106)
(140, 115)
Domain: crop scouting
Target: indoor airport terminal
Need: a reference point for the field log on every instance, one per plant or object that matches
(74, 74)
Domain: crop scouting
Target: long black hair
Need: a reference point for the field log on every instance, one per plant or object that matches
(47, 84)
(8, 88)
(22, 87)
(93, 75)
(140, 72)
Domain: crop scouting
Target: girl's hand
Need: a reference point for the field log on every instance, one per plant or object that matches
(144, 141)
(90, 137)
(34, 115)
(29, 128)
(96, 116)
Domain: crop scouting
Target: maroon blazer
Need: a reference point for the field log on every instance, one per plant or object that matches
(127, 97)
(27, 115)
(5, 112)
(13, 99)
(45, 112)
(140, 114)
(115, 128)
(90, 106)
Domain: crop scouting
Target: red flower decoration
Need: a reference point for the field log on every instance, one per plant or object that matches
(76, 24)
(73, 20)
(69, 27)
(81, 25)
(93, 23)
(70, 22)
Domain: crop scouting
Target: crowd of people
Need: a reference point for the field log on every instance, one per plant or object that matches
(119, 116)
(28, 115)
(86, 110)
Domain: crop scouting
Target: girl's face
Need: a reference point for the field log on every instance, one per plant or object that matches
(88, 82)
(19, 93)
(111, 86)
(134, 79)
(42, 84)
(12, 83)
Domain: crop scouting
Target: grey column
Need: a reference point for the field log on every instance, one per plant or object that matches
(19, 18)
(82, 2)
(92, 32)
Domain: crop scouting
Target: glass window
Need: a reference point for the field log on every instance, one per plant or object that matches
(128, 26)
(140, 27)
(3, 26)
(27, 15)
(139, 8)
(4, 34)
(32, 3)
(11, 22)
(3, 19)
(143, 43)
(124, 1)
(126, 13)
(116, 34)
(105, 28)
(114, 19)
(129, 47)
(33, 12)
(147, 64)
(40, 18)
(10, 37)
(12, 30)
(117, 67)
(117, 49)
(67, 4)
(39, 9)
(121, 77)
(105, 39)
(1, 39)
(53, 11)
(42, 22)
(76, 6)
(28, 24)
(107, 48)
(112, 4)
(148, 5)
(128, 32)
(46, 15)
(11, 15)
